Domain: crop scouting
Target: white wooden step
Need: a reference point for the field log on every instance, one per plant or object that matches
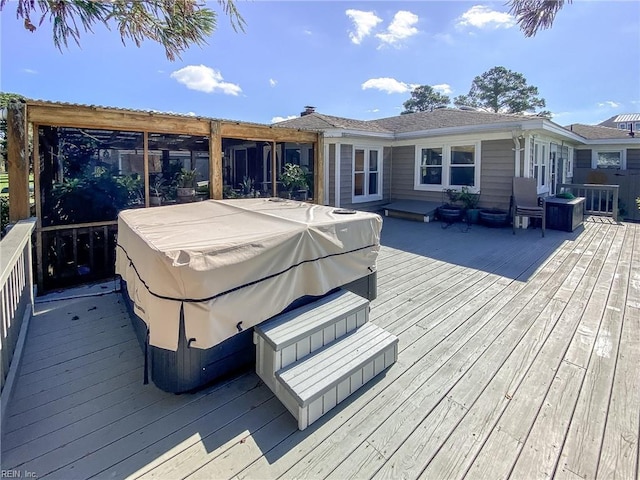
(316, 384)
(291, 336)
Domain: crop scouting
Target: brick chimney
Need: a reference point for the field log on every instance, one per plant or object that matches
(308, 110)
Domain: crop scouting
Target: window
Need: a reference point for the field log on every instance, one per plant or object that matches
(608, 159)
(463, 165)
(431, 166)
(367, 174)
(622, 126)
(637, 126)
(444, 166)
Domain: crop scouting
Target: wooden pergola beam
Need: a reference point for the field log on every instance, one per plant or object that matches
(80, 116)
(264, 133)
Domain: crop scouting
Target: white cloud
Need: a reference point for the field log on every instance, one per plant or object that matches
(444, 88)
(205, 79)
(364, 23)
(481, 16)
(386, 84)
(373, 110)
(272, 82)
(30, 71)
(282, 119)
(401, 27)
(610, 104)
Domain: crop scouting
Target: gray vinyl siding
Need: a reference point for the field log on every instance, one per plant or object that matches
(496, 174)
(497, 170)
(346, 180)
(332, 174)
(583, 159)
(633, 159)
(402, 178)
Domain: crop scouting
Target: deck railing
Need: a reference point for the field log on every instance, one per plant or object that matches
(75, 254)
(16, 287)
(600, 200)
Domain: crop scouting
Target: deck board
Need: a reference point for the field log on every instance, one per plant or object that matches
(518, 358)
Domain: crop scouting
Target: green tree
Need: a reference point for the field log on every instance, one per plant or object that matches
(535, 15)
(501, 91)
(175, 24)
(423, 99)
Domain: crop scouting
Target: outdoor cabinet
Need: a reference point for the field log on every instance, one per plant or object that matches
(564, 214)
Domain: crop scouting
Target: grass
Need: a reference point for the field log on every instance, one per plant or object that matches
(4, 183)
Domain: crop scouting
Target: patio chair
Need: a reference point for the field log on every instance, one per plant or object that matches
(525, 201)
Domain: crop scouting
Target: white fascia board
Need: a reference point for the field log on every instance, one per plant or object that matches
(341, 133)
(361, 134)
(616, 142)
(367, 142)
(332, 133)
(549, 127)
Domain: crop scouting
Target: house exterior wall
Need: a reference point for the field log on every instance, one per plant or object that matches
(346, 175)
(582, 159)
(496, 174)
(633, 158)
(346, 178)
(402, 180)
(497, 168)
(332, 174)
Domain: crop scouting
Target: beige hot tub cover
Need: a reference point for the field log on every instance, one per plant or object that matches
(233, 261)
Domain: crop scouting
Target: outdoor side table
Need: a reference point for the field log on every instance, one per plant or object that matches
(564, 214)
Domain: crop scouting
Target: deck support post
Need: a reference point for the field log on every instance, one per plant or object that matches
(18, 160)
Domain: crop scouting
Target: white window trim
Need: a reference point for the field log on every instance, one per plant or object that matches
(544, 149)
(570, 163)
(446, 165)
(594, 157)
(367, 149)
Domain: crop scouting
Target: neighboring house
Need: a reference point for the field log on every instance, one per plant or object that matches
(626, 121)
(417, 156)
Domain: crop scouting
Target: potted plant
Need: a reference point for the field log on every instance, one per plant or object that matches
(293, 178)
(186, 185)
(155, 191)
(470, 201)
(450, 212)
(247, 187)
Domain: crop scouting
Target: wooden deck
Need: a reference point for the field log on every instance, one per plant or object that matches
(518, 359)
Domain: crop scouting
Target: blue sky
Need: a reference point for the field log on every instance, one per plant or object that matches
(352, 59)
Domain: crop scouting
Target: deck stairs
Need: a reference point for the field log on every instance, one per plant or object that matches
(317, 355)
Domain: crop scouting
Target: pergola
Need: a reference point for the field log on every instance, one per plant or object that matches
(99, 122)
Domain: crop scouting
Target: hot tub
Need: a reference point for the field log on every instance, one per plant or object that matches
(197, 277)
